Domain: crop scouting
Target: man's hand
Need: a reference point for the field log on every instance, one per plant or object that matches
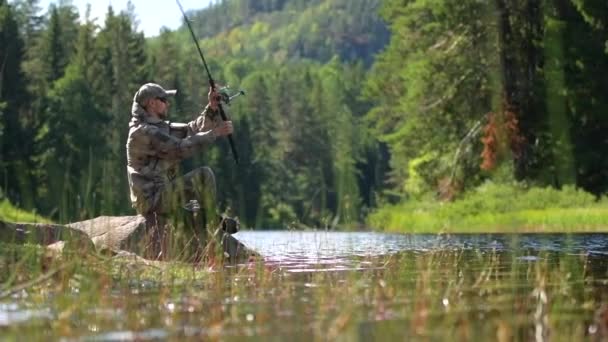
(223, 128)
(214, 98)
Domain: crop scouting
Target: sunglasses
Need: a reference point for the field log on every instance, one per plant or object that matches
(162, 99)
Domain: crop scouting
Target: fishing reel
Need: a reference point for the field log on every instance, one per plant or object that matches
(227, 95)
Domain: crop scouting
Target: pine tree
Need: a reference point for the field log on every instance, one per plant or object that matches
(430, 88)
(58, 41)
(14, 176)
(256, 108)
(123, 60)
(73, 136)
(29, 19)
(576, 53)
(345, 145)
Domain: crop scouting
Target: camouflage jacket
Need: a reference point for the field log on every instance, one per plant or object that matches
(155, 148)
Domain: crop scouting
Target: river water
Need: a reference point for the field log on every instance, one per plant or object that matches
(299, 250)
(350, 286)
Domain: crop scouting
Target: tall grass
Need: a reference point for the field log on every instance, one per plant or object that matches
(438, 294)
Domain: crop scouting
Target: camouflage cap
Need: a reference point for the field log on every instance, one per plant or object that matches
(152, 90)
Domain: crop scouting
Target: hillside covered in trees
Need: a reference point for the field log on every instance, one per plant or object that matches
(68, 88)
(351, 104)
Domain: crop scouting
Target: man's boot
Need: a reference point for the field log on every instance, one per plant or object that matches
(229, 225)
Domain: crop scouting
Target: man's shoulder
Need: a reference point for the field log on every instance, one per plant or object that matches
(150, 132)
(141, 133)
(143, 128)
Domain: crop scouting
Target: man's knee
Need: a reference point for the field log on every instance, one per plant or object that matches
(203, 180)
(207, 175)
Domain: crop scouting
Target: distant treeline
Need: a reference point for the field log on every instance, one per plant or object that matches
(350, 103)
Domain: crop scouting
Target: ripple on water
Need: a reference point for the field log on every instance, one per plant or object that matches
(324, 251)
(12, 313)
(150, 334)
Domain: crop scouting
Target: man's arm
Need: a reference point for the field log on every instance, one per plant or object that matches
(210, 117)
(207, 120)
(168, 146)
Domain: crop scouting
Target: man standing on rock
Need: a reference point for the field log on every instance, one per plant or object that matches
(155, 148)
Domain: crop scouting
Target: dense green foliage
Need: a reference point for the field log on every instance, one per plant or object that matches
(295, 29)
(299, 133)
(447, 94)
(530, 73)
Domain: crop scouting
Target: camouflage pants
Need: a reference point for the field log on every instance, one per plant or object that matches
(198, 185)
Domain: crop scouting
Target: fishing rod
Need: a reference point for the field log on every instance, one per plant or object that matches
(211, 81)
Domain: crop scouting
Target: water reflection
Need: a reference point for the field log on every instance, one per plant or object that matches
(346, 286)
(298, 251)
(11, 313)
(146, 335)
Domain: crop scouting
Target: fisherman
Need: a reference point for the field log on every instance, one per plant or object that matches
(155, 147)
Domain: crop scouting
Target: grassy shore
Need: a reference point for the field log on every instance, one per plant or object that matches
(9, 212)
(428, 294)
(491, 208)
(496, 208)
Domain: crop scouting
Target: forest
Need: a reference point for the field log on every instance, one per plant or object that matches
(351, 105)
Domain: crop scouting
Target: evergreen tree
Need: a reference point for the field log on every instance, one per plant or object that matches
(58, 41)
(257, 110)
(430, 88)
(345, 145)
(578, 76)
(123, 60)
(72, 136)
(30, 20)
(14, 178)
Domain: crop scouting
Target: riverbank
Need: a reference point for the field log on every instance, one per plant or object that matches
(494, 208)
(9, 212)
(491, 208)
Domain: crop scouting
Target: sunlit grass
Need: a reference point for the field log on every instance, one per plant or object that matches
(9, 212)
(555, 220)
(498, 208)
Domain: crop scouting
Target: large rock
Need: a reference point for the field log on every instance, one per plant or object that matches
(116, 233)
(42, 234)
(113, 233)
